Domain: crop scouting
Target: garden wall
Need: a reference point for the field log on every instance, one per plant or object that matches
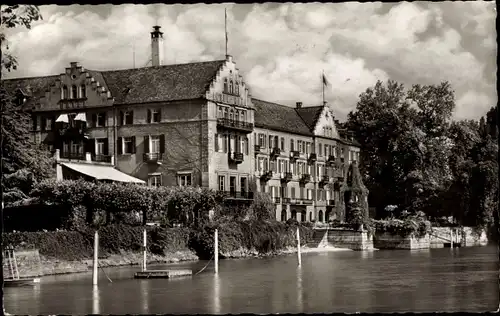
(467, 236)
(390, 241)
(346, 238)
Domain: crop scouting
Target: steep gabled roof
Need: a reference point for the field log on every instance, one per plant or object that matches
(310, 115)
(164, 83)
(32, 87)
(139, 85)
(279, 117)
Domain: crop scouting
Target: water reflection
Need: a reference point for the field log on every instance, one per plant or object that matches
(300, 292)
(216, 294)
(144, 288)
(420, 253)
(367, 254)
(95, 300)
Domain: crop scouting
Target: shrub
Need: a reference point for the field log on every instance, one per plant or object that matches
(409, 225)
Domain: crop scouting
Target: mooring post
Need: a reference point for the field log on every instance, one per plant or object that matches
(216, 251)
(96, 254)
(299, 257)
(451, 237)
(144, 249)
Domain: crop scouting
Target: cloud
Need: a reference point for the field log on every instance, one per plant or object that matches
(282, 49)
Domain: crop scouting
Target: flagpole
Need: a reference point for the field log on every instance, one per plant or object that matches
(225, 26)
(323, 85)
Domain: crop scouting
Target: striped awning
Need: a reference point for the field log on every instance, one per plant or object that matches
(100, 172)
(81, 117)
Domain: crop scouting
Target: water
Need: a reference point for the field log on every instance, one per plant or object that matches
(462, 279)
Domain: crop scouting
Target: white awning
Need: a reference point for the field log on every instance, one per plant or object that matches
(81, 117)
(63, 118)
(100, 172)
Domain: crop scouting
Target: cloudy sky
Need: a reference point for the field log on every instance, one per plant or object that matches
(282, 49)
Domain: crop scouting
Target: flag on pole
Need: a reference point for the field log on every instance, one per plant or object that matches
(325, 81)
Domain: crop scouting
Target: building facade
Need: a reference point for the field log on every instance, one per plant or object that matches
(191, 124)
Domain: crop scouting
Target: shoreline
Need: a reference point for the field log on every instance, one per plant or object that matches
(51, 266)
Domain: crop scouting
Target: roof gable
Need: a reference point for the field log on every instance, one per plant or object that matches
(279, 117)
(310, 115)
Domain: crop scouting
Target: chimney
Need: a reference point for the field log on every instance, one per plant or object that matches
(73, 64)
(325, 103)
(156, 46)
(298, 105)
(229, 58)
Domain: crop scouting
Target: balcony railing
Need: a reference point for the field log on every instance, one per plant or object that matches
(239, 195)
(286, 177)
(312, 158)
(301, 201)
(277, 200)
(275, 152)
(305, 178)
(256, 149)
(152, 157)
(331, 202)
(331, 160)
(72, 156)
(236, 157)
(294, 155)
(266, 176)
(286, 200)
(236, 125)
(102, 158)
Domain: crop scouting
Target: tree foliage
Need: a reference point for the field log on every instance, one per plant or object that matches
(416, 157)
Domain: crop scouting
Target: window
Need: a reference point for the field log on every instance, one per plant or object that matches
(65, 92)
(292, 145)
(243, 116)
(231, 86)
(231, 114)
(270, 141)
(219, 112)
(309, 194)
(76, 148)
(236, 115)
(83, 91)
(127, 118)
(224, 143)
(74, 92)
(154, 116)
(155, 144)
(226, 115)
(222, 181)
(100, 119)
(320, 150)
(154, 180)
(301, 149)
(184, 180)
(100, 146)
(282, 144)
(292, 189)
(236, 88)
(245, 145)
(128, 145)
(48, 123)
(262, 140)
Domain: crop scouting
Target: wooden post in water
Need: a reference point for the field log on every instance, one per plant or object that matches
(144, 249)
(216, 251)
(299, 257)
(96, 254)
(451, 237)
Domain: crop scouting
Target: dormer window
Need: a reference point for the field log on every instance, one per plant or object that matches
(64, 92)
(83, 91)
(226, 90)
(231, 86)
(74, 92)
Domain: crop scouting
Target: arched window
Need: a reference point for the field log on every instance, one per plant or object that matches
(231, 115)
(283, 215)
(84, 93)
(310, 216)
(65, 92)
(231, 86)
(320, 216)
(74, 92)
(225, 85)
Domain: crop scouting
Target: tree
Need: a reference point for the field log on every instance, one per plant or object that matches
(405, 145)
(20, 156)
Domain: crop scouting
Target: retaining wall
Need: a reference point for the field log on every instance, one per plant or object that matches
(344, 238)
(389, 241)
(466, 236)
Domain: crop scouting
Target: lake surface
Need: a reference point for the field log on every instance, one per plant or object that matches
(462, 279)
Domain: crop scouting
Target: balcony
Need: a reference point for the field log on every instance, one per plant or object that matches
(152, 157)
(331, 160)
(301, 201)
(286, 200)
(312, 158)
(277, 200)
(305, 178)
(266, 176)
(286, 177)
(256, 149)
(72, 156)
(331, 202)
(236, 157)
(294, 155)
(237, 195)
(275, 152)
(324, 179)
(235, 125)
(102, 158)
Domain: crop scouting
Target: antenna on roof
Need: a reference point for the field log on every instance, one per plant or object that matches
(133, 53)
(225, 26)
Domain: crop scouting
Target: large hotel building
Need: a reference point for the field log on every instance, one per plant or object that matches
(192, 124)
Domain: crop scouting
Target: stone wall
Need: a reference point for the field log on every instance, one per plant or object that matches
(345, 238)
(390, 241)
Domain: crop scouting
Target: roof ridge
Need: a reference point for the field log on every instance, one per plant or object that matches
(161, 66)
(274, 103)
(28, 78)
